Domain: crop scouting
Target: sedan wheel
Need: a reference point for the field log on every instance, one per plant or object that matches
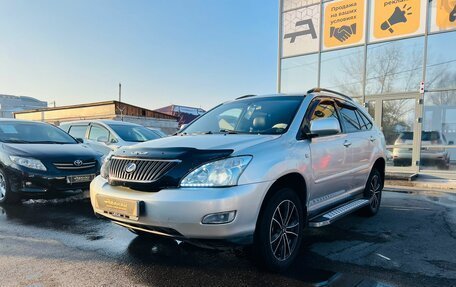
(6, 196)
(2, 187)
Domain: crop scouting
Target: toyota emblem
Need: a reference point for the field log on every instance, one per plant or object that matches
(78, 162)
(131, 167)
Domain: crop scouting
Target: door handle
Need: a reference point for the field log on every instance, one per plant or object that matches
(372, 139)
(347, 143)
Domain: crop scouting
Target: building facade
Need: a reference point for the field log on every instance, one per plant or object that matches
(184, 113)
(110, 110)
(10, 104)
(395, 57)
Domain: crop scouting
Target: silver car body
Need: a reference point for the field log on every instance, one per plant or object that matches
(333, 169)
(104, 147)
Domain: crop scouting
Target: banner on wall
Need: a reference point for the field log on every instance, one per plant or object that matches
(446, 14)
(301, 31)
(293, 4)
(344, 23)
(397, 18)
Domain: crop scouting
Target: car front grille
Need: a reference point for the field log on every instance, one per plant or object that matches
(145, 170)
(75, 166)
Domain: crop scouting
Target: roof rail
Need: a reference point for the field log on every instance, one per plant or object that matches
(317, 90)
(246, 96)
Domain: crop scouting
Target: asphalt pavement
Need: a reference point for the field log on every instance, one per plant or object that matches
(411, 242)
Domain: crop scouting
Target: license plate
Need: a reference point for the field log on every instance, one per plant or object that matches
(80, 178)
(125, 208)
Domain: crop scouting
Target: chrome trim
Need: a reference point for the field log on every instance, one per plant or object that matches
(71, 166)
(147, 170)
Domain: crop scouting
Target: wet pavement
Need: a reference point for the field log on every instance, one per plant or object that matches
(411, 242)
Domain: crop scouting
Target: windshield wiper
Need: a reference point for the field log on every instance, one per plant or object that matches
(228, 131)
(48, 142)
(16, 141)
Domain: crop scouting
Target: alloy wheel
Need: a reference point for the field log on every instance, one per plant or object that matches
(284, 230)
(375, 188)
(2, 186)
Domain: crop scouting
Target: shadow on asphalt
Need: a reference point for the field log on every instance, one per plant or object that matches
(167, 262)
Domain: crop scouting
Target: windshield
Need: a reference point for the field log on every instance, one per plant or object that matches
(33, 133)
(132, 133)
(249, 116)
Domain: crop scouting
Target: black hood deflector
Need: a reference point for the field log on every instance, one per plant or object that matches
(190, 158)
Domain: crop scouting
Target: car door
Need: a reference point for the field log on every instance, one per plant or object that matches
(330, 158)
(360, 139)
(98, 138)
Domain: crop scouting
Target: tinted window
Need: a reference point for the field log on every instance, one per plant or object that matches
(350, 119)
(30, 132)
(251, 115)
(98, 133)
(78, 131)
(366, 124)
(131, 133)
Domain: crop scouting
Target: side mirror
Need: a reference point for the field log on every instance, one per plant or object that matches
(324, 127)
(80, 140)
(113, 141)
(102, 139)
(451, 143)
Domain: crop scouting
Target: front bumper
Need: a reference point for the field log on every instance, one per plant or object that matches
(182, 210)
(39, 184)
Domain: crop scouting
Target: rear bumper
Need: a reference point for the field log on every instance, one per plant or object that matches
(179, 212)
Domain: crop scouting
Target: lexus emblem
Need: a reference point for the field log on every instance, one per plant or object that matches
(78, 162)
(131, 167)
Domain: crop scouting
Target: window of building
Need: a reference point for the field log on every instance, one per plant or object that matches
(441, 61)
(343, 71)
(395, 66)
(299, 74)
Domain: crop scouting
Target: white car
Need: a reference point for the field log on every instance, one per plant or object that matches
(107, 135)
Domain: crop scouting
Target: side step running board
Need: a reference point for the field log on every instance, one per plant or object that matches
(337, 213)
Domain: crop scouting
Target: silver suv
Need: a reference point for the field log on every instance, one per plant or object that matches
(256, 170)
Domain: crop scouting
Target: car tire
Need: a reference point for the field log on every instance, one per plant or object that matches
(373, 192)
(6, 195)
(279, 231)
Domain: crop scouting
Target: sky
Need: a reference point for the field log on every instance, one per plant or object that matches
(186, 52)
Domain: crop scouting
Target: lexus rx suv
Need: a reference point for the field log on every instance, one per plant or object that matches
(256, 170)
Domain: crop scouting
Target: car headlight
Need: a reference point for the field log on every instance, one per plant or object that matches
(28, 162)
(104, 170)
(220, 173)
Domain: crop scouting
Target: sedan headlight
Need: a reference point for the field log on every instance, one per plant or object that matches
(220, 173)
(104, 171)
(28, 162)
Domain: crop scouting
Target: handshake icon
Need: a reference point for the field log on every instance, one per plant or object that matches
(342, 33)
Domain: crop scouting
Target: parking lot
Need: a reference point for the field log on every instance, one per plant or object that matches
(411, 242)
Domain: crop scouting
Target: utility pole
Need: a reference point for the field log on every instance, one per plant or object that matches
(120, 92)
(121, 110)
